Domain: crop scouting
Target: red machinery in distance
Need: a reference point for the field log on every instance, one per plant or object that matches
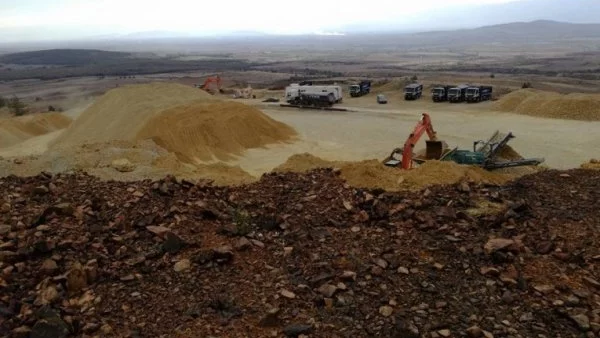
(212, 84)
(433, 145)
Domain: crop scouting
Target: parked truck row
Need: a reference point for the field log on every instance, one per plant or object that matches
(306, 94)
(461, 93)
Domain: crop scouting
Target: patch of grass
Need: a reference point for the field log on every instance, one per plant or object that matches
(242, 221)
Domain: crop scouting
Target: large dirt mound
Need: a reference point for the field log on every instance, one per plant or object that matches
(205, 131)
(373, 174)
(15, 130)
(184, 120)
(546, 104)
(122, 112)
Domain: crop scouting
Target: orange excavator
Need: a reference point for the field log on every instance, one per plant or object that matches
(434, 148)
(212, 84)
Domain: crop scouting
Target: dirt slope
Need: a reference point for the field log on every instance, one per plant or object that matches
(547, 104)
(14, 130)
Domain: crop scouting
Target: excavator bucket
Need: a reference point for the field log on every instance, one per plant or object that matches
(434, 149)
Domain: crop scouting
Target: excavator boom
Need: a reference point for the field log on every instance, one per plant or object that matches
(424, 126)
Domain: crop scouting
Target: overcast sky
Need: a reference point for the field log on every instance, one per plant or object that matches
(65, 19)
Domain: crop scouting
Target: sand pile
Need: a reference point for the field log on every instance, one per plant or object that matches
(373, 174)
(181, 119)
(576, 106)
(592, 164)
(15, 130)
(444, 172)
(508, 153)
(205, 131)
(148, 161)
(122, 112)
(300, 163)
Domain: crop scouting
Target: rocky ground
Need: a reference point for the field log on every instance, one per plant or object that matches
(299, 255)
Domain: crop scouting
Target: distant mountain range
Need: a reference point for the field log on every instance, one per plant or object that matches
(535, 31)
(470, 16)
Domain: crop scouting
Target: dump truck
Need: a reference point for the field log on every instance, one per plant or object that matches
(413, 91)
(360, 89)
(440, 94)
(479, 93)
(458, 93)
(319, 96)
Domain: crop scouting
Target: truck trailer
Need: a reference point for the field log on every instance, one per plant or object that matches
(479, 93)
(440, 94)
(360, 89)
(458, 93)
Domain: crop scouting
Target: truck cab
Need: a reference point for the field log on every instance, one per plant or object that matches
(478, 93)
(413, 91)
(473, 94)
(439, 94)
(360, 89)
(458, 93)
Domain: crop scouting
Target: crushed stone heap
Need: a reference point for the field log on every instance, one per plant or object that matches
(299, 254)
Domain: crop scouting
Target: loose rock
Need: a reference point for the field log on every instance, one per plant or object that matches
(294, 330)
(182, 265)
(386, 311)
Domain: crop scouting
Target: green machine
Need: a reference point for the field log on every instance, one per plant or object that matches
(487, 154)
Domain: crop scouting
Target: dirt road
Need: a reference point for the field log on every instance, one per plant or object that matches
(372, 131)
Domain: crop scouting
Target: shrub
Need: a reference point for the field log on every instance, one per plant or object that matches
(16, 106)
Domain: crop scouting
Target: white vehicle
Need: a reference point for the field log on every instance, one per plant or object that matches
(313, 95)
(381, 99)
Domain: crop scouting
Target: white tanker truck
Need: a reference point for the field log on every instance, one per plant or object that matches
(317, 96)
